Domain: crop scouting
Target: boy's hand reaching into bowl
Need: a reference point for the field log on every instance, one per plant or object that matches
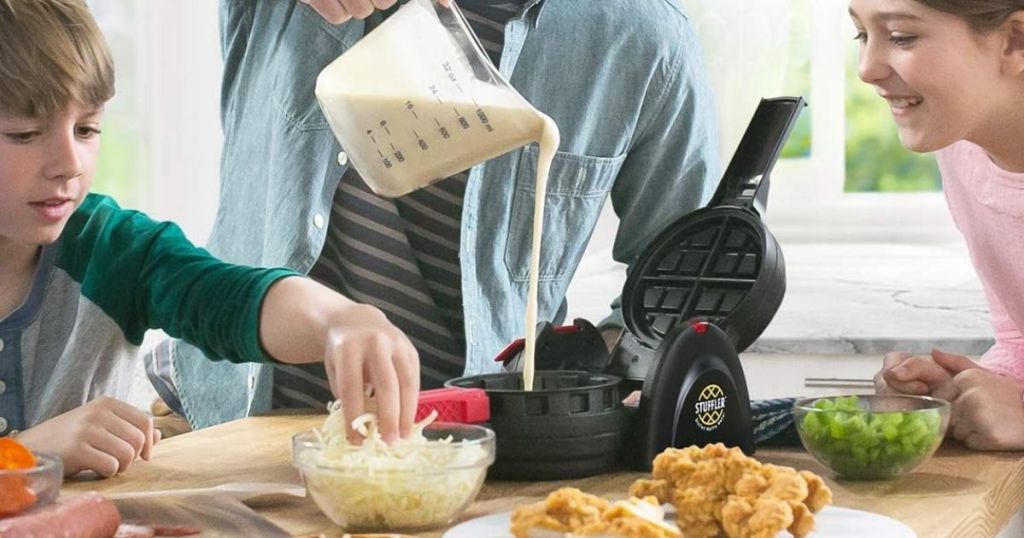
(303, 321)
(363, 349)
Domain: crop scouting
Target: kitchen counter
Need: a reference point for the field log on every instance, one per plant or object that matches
(846, 298)
(957, 493)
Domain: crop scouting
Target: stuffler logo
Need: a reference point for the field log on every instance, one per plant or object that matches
(710, 407)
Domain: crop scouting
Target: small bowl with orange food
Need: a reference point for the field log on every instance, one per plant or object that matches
(27, 479)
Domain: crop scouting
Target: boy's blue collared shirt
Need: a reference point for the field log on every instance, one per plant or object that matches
(623, 80)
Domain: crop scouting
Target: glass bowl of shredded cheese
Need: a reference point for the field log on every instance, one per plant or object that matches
(422, 482)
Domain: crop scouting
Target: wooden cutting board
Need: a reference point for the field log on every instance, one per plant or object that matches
(216, 515)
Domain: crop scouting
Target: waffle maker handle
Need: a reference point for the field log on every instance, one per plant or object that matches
(745, 183)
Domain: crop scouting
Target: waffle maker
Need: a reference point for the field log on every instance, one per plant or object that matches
(703, 290)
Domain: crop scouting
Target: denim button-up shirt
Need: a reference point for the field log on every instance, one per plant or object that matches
(623, 80)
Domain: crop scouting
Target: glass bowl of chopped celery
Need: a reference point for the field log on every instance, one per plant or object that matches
(871, 437)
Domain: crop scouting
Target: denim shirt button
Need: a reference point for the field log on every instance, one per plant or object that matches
(3, 425)
(318, 221)
(3, 386)
(1, 345)
(342, 158)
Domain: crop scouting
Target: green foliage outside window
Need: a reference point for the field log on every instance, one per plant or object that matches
(798, 81)
(119, 166)
(117, 170)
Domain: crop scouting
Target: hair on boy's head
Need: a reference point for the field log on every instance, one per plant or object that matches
(52, 54)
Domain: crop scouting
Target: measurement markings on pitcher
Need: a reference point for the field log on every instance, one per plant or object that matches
(463, 122)
(482, 116)
(412, 109)
(399, 156)
(452, 77)
(442, 129)
(420, 141)
(384, 159)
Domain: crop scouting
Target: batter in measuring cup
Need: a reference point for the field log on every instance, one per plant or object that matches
(622, 80)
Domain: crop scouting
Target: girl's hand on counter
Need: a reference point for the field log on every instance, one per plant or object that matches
(987, 413)
(339, 11)
(104, 436)
(905, 373)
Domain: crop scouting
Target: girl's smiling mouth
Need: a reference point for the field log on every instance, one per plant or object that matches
(902, 104)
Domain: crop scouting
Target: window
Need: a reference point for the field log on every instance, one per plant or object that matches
(122, 148)
(161, 138)
(844, 175)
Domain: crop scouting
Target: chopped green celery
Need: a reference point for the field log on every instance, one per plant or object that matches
(861, 444)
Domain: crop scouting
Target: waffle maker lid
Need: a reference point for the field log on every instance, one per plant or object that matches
(719, 263)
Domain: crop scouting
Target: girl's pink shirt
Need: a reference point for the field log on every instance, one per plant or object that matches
(987, 204)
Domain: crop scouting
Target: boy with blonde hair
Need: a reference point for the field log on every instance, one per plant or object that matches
(81, 280)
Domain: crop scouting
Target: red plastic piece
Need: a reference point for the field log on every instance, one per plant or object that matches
(519, 344)
(700, 327)
(454, 404)
(511, 350)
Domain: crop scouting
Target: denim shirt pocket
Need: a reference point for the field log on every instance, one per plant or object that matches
(313, 44)
(577, 188)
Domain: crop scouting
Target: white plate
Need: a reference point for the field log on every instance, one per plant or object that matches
(831, 522)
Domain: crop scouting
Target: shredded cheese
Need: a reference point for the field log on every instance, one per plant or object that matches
(415, 483)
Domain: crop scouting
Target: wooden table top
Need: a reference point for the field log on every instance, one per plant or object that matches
(957, 493)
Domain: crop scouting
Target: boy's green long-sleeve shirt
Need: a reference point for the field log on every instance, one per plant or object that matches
(111, 276)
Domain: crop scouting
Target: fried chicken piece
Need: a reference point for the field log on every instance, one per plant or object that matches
(720, 490)
(573, 512)
(751, 485)
(803, 520)
(713, 466)
(763, 517)
(674, 465)
(639, 518)
(564, 510)
(785, 484)
(659, 489)
(697, 512)
(818, 493)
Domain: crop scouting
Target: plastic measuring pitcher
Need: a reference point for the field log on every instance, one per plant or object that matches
(417, 100)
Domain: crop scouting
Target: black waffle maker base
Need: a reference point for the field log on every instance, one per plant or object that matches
(570, 426)
(695, 394)
(704, 289)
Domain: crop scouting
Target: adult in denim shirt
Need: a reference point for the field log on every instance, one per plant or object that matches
(622, 79)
